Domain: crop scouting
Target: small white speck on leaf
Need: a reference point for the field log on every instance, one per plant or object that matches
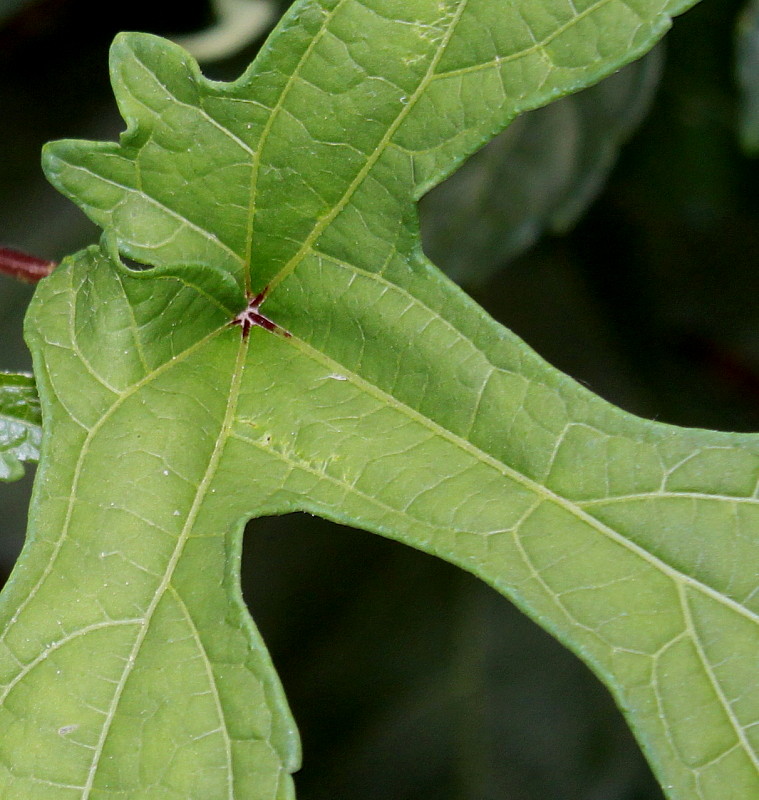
(165, 472)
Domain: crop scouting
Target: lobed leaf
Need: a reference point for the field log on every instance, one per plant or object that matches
(380, 396)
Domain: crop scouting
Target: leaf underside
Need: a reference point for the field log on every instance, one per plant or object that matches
(20, 424)
(129, 665)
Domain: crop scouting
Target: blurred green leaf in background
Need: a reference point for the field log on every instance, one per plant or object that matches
(539, 175)
(20, 424)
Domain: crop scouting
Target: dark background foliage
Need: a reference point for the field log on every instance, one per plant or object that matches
(410, 680)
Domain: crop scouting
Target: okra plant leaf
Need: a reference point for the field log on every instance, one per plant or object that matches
(20, 424)
(289, 347)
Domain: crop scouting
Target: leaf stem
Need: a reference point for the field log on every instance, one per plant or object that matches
(23, 267)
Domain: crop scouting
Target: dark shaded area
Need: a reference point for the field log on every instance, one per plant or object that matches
(652, 299)
(410, 679)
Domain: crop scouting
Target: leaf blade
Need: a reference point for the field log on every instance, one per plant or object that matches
(396, 405)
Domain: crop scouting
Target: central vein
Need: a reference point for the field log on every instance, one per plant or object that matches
(165, 584)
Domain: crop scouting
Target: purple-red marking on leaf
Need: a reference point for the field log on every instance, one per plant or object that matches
(251, 317)
(24, 267)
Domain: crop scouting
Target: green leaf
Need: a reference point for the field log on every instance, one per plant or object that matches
(20, 424)
(539, 175)
(747, 73)
(383, 398)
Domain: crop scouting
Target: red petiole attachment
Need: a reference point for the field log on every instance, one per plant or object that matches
(24, 267)
(251, 317)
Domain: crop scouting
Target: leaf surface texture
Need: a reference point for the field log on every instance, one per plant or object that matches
(384, 398)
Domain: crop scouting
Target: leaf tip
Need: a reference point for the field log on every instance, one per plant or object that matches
(51, 159)
(159, 55)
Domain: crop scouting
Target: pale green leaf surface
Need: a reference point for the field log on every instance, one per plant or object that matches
(20, 424)
(130, 667)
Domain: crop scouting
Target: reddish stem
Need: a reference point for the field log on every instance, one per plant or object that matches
(24, 267)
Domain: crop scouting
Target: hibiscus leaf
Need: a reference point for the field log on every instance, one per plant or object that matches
(291, 348)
